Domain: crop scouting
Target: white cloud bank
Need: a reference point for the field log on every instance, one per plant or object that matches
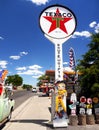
(17, 57)
(1, 38)
(3, 64)
(33, 70)
(85, 33)
(39, 2)
(94, 25)
(81, 34)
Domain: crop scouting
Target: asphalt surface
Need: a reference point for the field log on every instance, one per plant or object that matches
(21, 96)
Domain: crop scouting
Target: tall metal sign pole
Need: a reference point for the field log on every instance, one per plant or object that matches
(58, 23)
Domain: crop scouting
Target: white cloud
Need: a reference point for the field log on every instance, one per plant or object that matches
(34, 73)
(37, 75)
(92, 24)
(21, 68)
(35, 67)
(27, 72)
(1, 38)
(65, 63)
(33, 70)
(85, 33)
(81, 34)
(3, 64)
(39, 2)
(23, 53)
(15, 57)
(97, 28)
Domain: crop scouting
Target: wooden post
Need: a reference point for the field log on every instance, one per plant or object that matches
(90, 119)
(82, 119)
(97, 118)
(73, 120)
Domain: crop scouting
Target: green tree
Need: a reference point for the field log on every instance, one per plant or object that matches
(41, 79)
(89, 66)
(15, 80)
(27, 86)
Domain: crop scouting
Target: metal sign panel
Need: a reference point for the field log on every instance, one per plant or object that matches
(57, 21)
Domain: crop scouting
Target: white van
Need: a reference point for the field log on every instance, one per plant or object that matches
(34, 90)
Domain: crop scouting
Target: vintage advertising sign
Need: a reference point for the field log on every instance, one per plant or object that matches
(57, 21)
(82, 105)
(96, 104)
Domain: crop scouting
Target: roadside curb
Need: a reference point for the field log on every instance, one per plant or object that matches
(18, 111)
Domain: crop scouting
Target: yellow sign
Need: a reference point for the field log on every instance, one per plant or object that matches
(95, 100)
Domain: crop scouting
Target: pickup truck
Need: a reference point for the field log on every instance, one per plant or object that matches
(6, 105)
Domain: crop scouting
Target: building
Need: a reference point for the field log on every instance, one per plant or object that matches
(68, 76)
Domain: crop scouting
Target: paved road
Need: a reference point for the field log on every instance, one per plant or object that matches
(21, 96)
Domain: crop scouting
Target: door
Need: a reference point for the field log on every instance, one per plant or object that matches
(6, 105)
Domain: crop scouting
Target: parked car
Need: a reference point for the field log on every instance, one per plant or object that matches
(6, 105)
(34, 90)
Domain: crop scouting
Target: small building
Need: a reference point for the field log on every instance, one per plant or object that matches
(68, 76)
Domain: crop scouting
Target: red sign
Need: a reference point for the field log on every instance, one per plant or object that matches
(82, 99)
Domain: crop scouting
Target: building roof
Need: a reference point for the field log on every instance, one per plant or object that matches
(52, 72)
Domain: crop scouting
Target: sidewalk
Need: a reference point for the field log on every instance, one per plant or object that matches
(33, 114)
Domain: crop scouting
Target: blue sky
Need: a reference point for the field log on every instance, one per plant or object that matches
(24, 50)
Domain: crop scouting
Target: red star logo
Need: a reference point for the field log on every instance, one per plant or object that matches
(57, 21)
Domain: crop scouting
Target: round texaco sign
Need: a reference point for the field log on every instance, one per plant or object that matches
(57, 21)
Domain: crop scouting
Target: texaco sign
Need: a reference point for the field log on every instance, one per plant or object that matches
(57, 21)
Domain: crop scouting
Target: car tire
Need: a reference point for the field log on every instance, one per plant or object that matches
(9, 116)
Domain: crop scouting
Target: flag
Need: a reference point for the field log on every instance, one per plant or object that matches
(65, 76)
(72, 58)
(3, 74)
(76, 76)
